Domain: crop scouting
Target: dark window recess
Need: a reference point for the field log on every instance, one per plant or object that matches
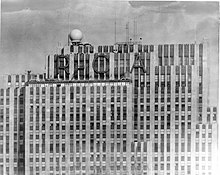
(180, 50)
(177, 89)
(139, 48)
(148, 70)
(200, 99)
(183, 70)
(125, 48)
(107, 66)
(155, 147)
(208, 109)
(200, 71)
(101, 63)
(116, 66)
(148, 89)
(165, 50)
(79, 49)
(119, 48)
(145, 48)
(192, 61)
(162, 90)
(166, 61)
(8, 93)
(131, 47)
(200, 50)
(111, 48)
(171, 60)
(177, 84)
(127, 64)
(160, 50)
(41, 76)
(105, 48)
(85, 49)
(183, 83)
(181, 60)
(200, 88)
(9, 79)
(23, 78)
(192, 50)
(177, 70)
(214, 109)
(172, 50)
(168, 70)
(189, 70)
(162, 70)
(214, 117)
(168, 88)
(76, 66)
(186, 50)
(122, 65)
(99, 48)
(81, 62)
(96, 67)
(160, 61)
(156, 70)
(55, 66)
(148, 60)
(156, 90)
(17, 78)
(87, 67)
(71, 48)
(91, 49)
(136, 83)
(151, 48)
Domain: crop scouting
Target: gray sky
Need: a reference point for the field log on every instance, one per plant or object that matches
(30, 29)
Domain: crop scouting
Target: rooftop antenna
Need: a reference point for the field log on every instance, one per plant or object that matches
(195, 33)
(135, 30)
(68, 39)
(68, 29)
(127, 32)
(115, 27)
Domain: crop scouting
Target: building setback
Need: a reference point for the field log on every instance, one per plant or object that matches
(122, 109)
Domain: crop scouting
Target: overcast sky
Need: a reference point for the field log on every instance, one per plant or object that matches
(31, 29)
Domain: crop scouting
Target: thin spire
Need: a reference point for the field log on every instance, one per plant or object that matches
(68, 29)
(68, 24)
(195, 32)
(135, 30)
(127, 32)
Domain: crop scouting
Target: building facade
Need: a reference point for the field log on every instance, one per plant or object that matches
(121, 109)
(12, 115)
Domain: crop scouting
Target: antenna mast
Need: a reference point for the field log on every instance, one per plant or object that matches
(68, 25)
(195, 32)
(68, 29)
(135, 30)
(127, 32)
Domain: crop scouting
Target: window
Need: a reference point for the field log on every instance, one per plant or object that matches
(155, 147)
(9, 78)
(31, 148)
(78, 89)
(197, 147)
(51, 148)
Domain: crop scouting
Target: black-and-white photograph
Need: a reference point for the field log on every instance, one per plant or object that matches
(109, 87)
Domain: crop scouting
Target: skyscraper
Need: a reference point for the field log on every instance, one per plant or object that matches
(127, 108)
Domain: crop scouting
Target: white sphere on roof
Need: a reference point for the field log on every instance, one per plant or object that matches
(76, 35)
